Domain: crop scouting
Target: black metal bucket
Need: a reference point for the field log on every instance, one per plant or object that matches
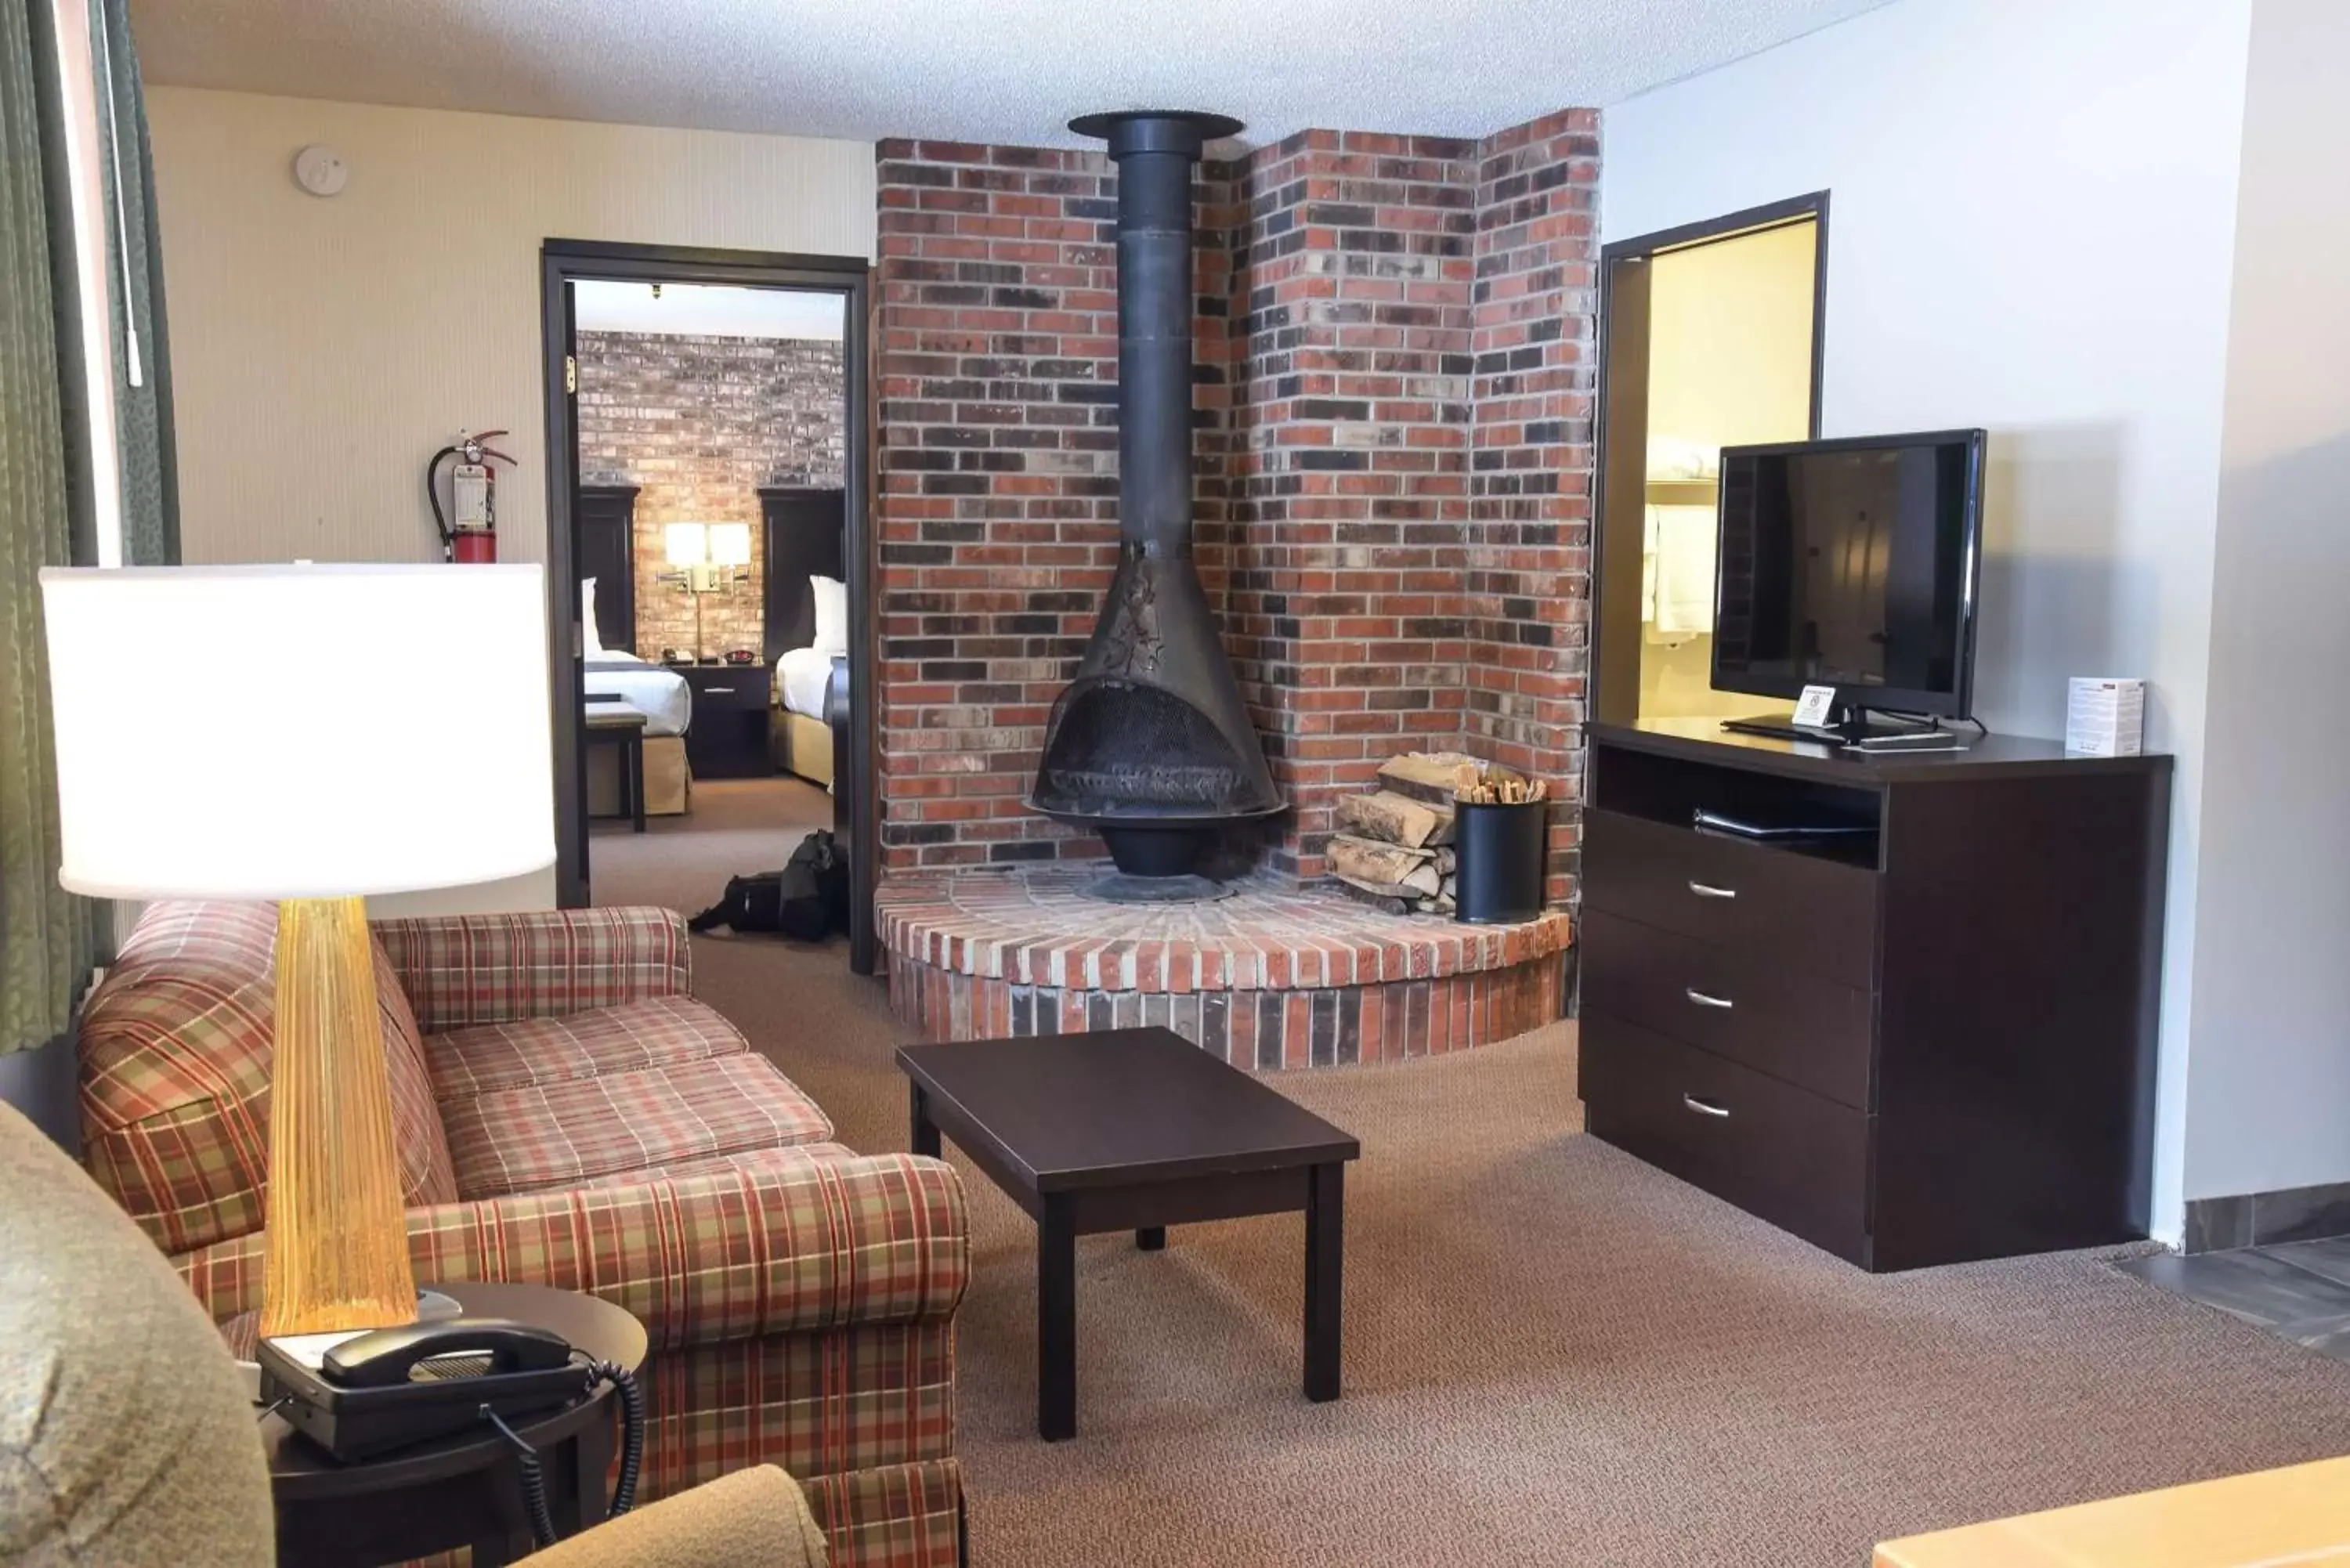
(1502, 849)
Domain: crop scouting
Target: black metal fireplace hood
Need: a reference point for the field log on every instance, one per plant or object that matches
(1151, 744)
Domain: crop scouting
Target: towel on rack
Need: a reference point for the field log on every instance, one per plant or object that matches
(1678, 594)
(1671, 457)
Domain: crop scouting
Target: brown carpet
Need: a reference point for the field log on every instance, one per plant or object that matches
(1554, 1354)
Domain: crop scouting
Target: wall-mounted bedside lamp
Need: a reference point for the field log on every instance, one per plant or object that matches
(709, 555)
(730, 544)
(708, 558)
(686, 546)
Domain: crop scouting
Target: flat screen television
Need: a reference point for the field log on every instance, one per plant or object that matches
(1851, 564)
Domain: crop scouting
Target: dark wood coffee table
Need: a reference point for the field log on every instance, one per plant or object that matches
(1133, 1130)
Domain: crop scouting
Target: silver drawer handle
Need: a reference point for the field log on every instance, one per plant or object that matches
(1703, 1000)
(718, 692)
(1708, 890)
(1704, 1107)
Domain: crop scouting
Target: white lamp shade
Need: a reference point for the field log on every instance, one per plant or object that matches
(730, 544)
(299, 731)
(686, 544)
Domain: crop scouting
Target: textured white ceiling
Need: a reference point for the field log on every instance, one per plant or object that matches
(700, 310)
(992, 70)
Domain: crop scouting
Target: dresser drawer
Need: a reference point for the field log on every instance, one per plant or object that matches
(1814, 914)
(1776, 1151)
(1812, 1033)
(717, 688)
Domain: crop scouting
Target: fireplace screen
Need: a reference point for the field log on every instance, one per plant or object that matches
(1123, 748)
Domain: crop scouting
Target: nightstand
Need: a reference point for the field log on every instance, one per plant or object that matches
(728, 737)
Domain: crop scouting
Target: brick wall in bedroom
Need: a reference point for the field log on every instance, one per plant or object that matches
(1393, 529)
(698, 423)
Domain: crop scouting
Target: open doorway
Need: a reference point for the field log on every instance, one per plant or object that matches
(1711, 337)
(707, 561)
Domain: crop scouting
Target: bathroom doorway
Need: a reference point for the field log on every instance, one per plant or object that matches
(1711, 337)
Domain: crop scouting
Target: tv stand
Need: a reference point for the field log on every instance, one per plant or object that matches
(1902, 1006)
(1854, 730)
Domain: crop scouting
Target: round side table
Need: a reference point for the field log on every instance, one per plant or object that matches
(463, 1490)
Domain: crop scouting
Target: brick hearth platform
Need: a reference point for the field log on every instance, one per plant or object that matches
(1275, 976)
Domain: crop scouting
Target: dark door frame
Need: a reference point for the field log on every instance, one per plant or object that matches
(1612, 706)
(564, 262)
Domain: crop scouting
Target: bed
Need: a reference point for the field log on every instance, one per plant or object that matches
(660, 694)
(801, 738)
(611, 673)
(806, 622)
(607, 624)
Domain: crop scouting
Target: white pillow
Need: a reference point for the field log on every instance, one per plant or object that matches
(590, 644)
(831, 615)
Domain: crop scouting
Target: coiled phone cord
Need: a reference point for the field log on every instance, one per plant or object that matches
(632, 1433)
(632, 1452)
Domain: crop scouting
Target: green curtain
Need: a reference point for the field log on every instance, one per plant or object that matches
(47, 937)
(143, 370)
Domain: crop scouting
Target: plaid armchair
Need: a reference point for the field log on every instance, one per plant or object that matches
(568, 1114)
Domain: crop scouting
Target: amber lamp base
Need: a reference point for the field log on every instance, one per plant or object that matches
(335, 1255)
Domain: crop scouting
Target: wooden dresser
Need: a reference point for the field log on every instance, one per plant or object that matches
(1923, 1041)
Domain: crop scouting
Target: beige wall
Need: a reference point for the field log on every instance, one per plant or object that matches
(1729, 339)
(2269, 1081)
(322, 349)
(1729, 362)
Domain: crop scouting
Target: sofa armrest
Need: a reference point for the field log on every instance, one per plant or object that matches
(798, 1247)
(460, 969)
(751, 1519)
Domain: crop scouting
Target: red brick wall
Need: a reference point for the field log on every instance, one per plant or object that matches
(1352, 424)
(1524, 592)
(1394, 529)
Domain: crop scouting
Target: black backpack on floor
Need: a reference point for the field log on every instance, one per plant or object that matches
(808, 898)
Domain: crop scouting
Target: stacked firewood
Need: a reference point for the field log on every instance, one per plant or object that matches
(1394, 845)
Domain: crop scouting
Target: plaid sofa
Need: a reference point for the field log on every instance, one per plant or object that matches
(568, 1114)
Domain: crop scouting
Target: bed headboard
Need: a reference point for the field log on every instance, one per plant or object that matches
(803, 540)
(603, 524)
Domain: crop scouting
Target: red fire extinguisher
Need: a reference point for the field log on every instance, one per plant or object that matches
(472, 537)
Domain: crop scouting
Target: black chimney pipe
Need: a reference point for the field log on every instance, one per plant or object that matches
(1151, 744)
(1154, 153)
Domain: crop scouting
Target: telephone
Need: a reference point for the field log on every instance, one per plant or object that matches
(357, 1395)
(361, 1395)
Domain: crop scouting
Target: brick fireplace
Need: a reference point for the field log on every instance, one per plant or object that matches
(1392, 402)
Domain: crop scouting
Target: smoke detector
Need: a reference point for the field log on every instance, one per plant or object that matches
(320, 169)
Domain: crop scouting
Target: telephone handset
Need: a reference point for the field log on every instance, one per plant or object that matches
(464, 1348)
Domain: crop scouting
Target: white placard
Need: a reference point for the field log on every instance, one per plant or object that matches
(1812, 710)
(2105, 716)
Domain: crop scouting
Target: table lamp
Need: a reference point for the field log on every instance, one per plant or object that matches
(310, 734)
